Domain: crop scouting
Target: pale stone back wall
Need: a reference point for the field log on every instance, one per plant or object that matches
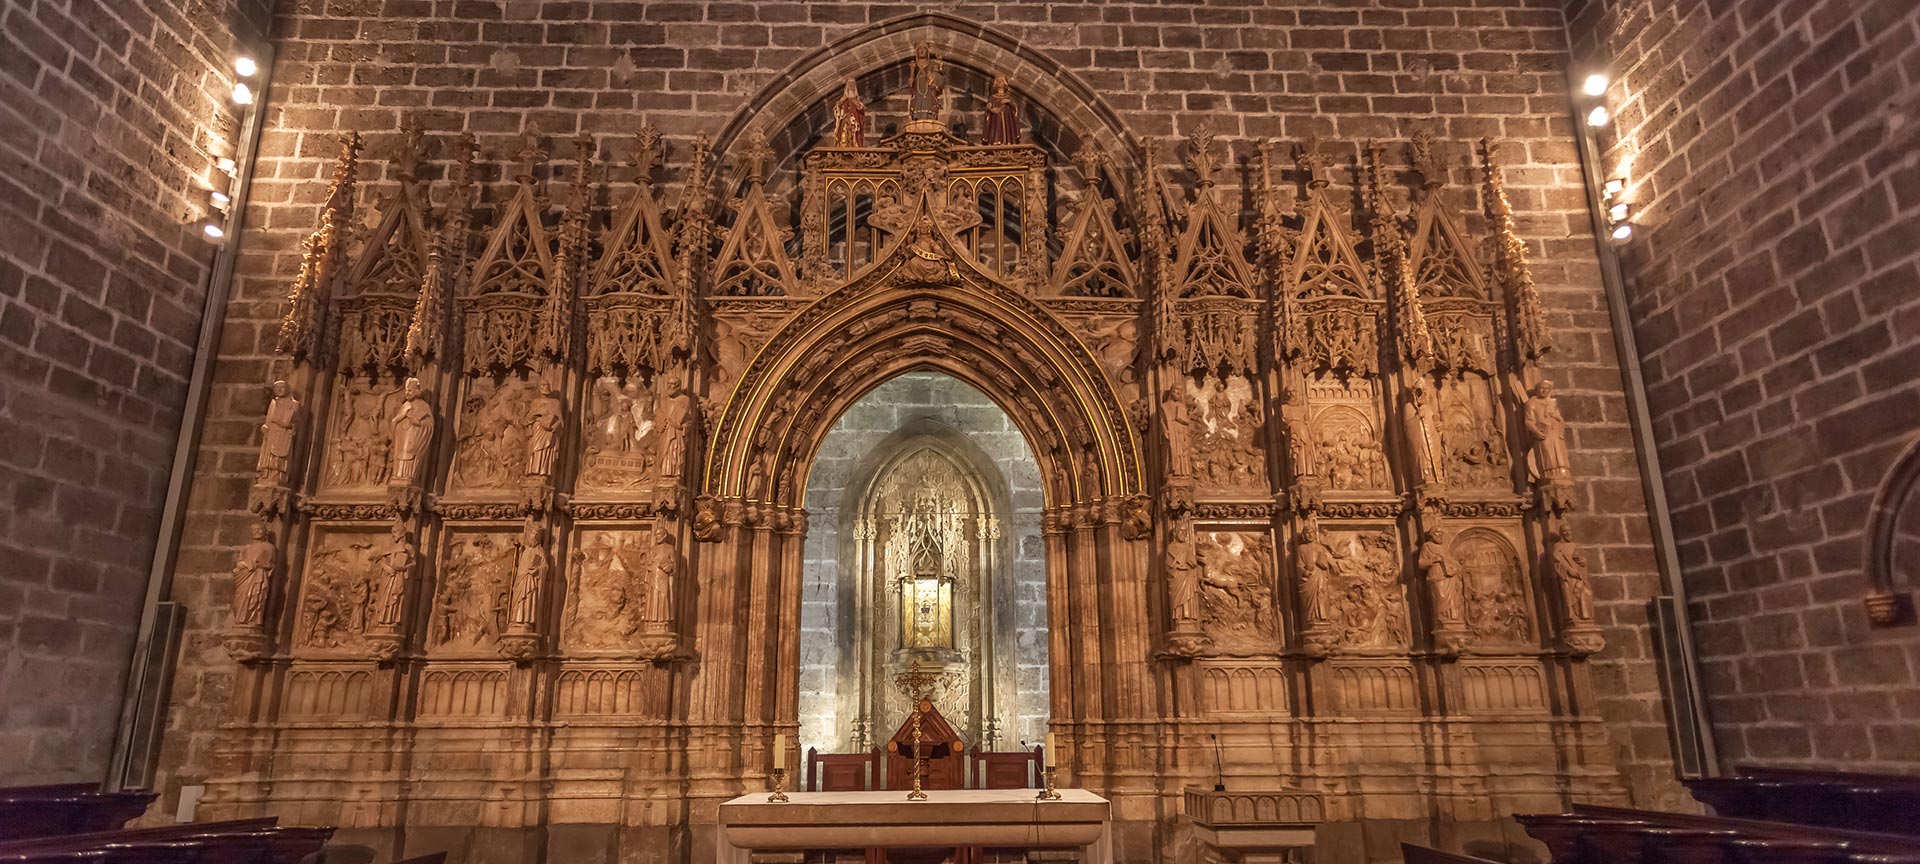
(1286, 70)
(111, 117)
(895, 405)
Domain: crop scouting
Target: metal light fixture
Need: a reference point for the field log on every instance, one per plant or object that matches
(1599, 116)
(242, 94)
(244, 66)
(1596, 84)
(213, 231)
(220, 200)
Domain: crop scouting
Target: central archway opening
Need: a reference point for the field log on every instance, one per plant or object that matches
(924, 549)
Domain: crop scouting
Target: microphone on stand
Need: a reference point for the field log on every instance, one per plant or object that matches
(1219, 779)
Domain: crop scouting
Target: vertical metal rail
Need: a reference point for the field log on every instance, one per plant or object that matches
(1687, 720)
(150, 668)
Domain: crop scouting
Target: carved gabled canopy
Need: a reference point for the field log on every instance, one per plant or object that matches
(1210, 260)
(1442, 262)
(753, 258)
(511, 279)
(632, 294)
(1324, 261)
(1516, 278)
(384, 283)
(321, 253)
(1094, 261)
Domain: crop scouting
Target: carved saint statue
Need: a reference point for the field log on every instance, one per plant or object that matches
(1183, 572)
(412, 435)
(1175, 426)
(252, 573)
(543, 435)
(670, 416)
(1443, 579)
(1548, 431)
(849, 118)
(529, 573)
(393, 563)
(1420, 436)
(1293, 416)
(1316, 574)
(276, 437)
(1002, 122)
(1570, 567)
(926, 81)
(663, 569)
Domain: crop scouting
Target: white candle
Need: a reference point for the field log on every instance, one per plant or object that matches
(1053, 748)
(779, 751)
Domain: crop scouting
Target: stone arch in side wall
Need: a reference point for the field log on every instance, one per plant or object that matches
(1892, 552)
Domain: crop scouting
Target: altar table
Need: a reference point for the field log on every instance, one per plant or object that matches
(1077, 825)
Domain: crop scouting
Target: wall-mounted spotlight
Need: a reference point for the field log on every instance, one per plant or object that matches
(1599, 116)
(213, 231)
(1595, 85)
(244, 66)
(220, 200)
(226, 166)
(242, 94)
(1619, 213)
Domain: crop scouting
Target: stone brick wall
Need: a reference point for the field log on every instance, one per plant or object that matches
(1463, 69)
(1771, 154)
(861, 433)
(111, 117)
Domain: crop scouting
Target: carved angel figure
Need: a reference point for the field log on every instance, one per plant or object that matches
(252, 573)
(412, 434)
(849, 117)
(276, 437)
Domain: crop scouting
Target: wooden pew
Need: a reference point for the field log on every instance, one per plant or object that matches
(67, 808)
(1593, 834)
(1832, 799)
(246, 841)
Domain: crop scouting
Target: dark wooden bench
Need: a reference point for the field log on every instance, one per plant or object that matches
(66, 808)
(1593, 834)
(1885, 803)
(244, 841)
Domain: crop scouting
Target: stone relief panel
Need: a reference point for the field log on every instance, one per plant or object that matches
(490, 452)
(1228, 452)
(1345, 427)
(338, 595)
(1372, 686)
(1368, 606)
(1236, 589)
(607, 601)
(1473, 437)
(619, 446)
(356, 457)
(1502, 687)
(1496, 592)
(1252, 688)
(470, 605)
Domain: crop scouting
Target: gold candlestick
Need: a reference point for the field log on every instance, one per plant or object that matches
(919, 761)
(916, 682)
(1049, 793)
(779, 786)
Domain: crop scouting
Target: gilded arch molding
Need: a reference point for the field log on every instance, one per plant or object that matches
(816, 78)
(894, 319)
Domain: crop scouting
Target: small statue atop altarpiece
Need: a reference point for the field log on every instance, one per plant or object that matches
(849, 118)
(926, 91)
(1001, 125)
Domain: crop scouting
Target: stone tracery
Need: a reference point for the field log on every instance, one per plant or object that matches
(1168, 365)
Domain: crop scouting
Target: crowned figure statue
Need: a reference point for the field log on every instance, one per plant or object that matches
(926, 86)
(1002, 121)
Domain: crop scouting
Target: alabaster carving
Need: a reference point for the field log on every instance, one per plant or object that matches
(1176, 426)
(1496, 594)
(1371, 605)
(473, 603)
(1570, 569)
(411, 436)
(1472, 434)
(1317, 578)
(1237, 589)
(546, 418)
(339, 596)
(618, 431)
(1416, 418)
(1547, 460)
(672, 416)
(253, 569)
(493, 444)
(277, 433)
(1183, 572)
(1229, 453)
(357, 453)
(1446, 588)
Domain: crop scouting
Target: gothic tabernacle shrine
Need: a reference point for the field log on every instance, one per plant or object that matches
(530, 490)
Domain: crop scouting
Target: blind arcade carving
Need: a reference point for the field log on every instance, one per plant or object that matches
(1298, 460)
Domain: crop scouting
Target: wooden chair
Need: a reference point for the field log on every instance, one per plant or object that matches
(1019, 769)
(839, 772)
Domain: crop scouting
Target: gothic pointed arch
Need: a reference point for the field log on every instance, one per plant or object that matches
(512, 278)
(753, 260)
(922, 306)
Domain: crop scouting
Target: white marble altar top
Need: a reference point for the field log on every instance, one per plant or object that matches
(947, 817)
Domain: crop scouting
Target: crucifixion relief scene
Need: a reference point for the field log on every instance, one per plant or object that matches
(538, 432)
